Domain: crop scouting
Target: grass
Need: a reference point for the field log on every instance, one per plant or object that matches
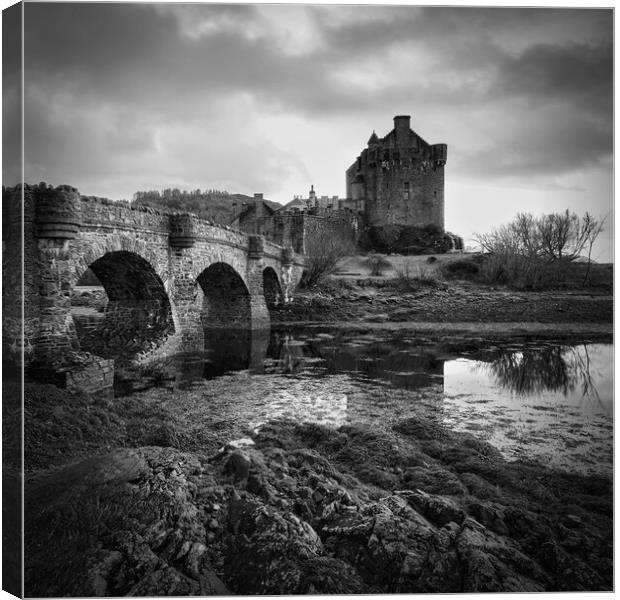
(422, 276)
(377, 265)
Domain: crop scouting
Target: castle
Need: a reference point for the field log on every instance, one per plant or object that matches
(396, 180)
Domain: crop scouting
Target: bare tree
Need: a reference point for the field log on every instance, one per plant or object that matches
(592, 227)
(324, 248)
(521, 250)
(562, 235)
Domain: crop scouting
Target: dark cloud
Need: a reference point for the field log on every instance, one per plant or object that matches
(103, 79)
(539, 146)
(578, 73)
(11, 96)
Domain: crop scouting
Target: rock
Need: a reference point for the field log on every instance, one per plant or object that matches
(437, 509)
(394, 548)
(238, 465)
(434, 480)
(165, 582)
(258, 485)
(493, 564)
(491, 515)
(270, 551)
(569, 573)
(123, 523)
(572, 521)
(98, 574)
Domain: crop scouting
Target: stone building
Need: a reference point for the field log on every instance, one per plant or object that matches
(312, 203)
(294, 224)
(398, 179)
(253, 215)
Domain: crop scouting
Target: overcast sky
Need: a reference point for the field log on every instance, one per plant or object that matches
(272, 99)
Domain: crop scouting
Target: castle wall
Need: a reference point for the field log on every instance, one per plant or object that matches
(400, 179)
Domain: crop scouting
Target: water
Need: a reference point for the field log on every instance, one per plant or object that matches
(542, 401)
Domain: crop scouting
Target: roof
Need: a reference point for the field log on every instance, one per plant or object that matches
(269, 207)
(296, 203)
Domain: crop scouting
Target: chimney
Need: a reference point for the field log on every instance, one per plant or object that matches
(402, 126)
(402, 122)
(258, 213)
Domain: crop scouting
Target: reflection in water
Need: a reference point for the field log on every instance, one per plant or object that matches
(560, 412)
(563, 369)
(233, 350)
(551, 402)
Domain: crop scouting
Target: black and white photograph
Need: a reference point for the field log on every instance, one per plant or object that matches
(307, 299)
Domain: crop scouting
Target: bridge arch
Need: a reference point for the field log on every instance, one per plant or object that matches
(226, 298)
(271, 287)
(89, 252)
(138, 317)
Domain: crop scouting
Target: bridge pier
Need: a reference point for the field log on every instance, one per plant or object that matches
(259, 313)
(56, 216)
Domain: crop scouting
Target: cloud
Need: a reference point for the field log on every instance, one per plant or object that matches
(149, 93)
(578, 73)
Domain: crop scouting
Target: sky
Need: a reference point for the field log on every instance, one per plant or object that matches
(276, 98)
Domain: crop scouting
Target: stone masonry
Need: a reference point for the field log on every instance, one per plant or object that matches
(399, 179)
(167, 276)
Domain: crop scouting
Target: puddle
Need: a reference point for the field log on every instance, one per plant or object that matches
(545, 402)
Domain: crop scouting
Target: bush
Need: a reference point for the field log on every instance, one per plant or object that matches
(466, 268)
(324, 249)
(377, 264)
(409, 239)
(533, 252)
(408, 279)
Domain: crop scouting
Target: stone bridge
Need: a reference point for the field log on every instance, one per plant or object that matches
(168, 277)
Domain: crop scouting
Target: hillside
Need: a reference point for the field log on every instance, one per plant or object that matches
(213, 205)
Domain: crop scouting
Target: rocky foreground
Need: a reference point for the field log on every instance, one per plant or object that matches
(412, 507)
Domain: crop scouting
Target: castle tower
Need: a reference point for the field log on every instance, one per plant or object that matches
(312, 199)
(399, 179)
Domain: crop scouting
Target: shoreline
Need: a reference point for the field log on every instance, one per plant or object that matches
(497, 329)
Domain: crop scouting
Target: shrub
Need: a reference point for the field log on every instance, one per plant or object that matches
(465, 268)
(377, 264)
(408, 239)
(532, 252)
(408, 279)
(324, 249)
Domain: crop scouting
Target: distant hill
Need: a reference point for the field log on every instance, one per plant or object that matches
(214, 205)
